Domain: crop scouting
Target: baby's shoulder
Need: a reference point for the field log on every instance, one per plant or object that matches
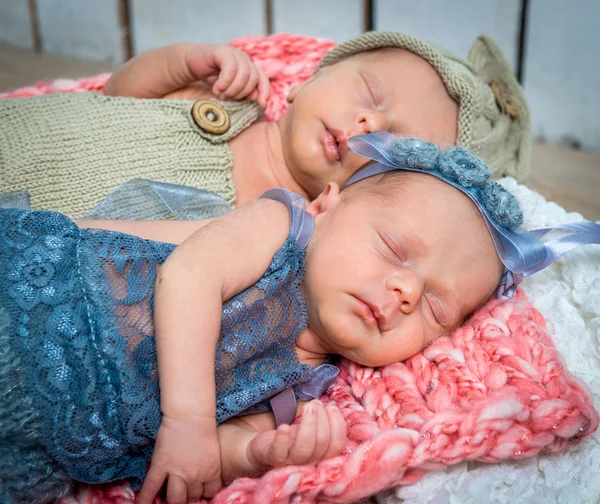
(301, 223)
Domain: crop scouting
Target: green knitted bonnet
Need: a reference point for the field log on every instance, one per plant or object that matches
(493, 117)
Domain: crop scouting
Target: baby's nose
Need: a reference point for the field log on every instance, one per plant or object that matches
(369, 121)
(407, 288)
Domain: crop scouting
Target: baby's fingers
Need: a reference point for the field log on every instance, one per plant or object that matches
(240, 83)
(263, 90)
(322, 433)
(337, 431)
(152, 484)
(244, 87)
(211, 488)
(314, 430)
(280, 447)
(176, 490)
(229, 66)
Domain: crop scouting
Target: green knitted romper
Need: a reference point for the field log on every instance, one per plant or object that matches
(70, 150)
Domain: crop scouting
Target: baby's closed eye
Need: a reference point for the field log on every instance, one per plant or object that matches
(369, 89)
(436, 309)
(393, 247)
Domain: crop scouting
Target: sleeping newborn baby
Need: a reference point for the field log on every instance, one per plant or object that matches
(70, 150)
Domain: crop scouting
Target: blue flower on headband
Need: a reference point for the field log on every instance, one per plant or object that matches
(502, 205)
(463, 168)
(455, 164)
(415, 153)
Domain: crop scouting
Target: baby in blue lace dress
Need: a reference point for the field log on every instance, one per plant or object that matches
(108, 362)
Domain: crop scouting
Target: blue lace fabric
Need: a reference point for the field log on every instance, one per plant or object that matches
(77, 306)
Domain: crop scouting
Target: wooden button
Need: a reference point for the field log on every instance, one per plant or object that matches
(504, 99)
(211, 117)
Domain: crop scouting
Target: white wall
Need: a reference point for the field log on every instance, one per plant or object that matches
(337, 20)
(454, 24)
(562, 71)
(15, 25)
(213, 21)
(81, 28)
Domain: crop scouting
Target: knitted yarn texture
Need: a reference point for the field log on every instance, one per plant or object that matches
(105, 141)
(495, 389)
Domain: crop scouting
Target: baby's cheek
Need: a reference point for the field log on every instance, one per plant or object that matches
(404, 349)
(428, 341)
(421, 337)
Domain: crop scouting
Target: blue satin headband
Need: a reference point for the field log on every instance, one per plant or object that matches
(522, 252)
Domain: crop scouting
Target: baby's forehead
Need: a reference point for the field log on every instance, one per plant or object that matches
(399, 183)
(421, 196)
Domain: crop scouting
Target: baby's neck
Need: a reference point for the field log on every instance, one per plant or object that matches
(309, 350)
(259, 162)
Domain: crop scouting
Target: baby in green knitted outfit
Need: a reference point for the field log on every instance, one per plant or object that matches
(191, 114)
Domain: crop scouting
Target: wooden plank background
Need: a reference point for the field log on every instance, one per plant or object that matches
(552, 45)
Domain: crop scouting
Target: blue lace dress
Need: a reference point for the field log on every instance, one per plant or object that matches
(79, 394)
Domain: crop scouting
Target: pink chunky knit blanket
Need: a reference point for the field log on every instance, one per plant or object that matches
(495, 389)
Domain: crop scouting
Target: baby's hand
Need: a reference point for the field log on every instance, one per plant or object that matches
(189, 71)
(229, 71)
(187, 456)
(321, 434)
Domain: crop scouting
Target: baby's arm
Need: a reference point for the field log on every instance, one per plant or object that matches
(218, 261)
(251, 444)
(159, 230)
(191, 71)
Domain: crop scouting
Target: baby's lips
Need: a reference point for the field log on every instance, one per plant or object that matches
(342, 140)
(331, 146)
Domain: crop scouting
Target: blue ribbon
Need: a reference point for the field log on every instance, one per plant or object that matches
(522, 252)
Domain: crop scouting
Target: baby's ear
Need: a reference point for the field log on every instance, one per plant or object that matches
(293, 93)
(324, 201)
(296, 89)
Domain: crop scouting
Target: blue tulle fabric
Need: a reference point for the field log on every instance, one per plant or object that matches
(79, 305)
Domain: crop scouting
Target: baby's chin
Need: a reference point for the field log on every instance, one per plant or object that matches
(309, 168)
(373, 361)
